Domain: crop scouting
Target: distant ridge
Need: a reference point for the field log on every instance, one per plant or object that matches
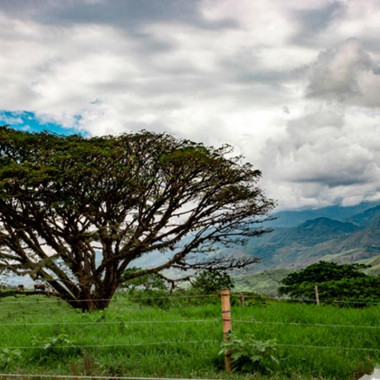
(296, 217)
(367, 217)
(347, 238)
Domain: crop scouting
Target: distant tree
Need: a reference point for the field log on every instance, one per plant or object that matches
(148, 282)
(77, 212)
(210, 281)
(335, 282)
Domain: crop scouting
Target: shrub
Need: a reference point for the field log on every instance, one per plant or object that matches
(7, 356)
(249, 354)
(55, 347)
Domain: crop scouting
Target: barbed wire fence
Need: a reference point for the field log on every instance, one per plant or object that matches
(247, 296)
(237, 322)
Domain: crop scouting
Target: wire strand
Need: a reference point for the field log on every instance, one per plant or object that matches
(194, 342)
(91, 323)
(114, 344)
(110, 323)
(321, 301)
(328, 347)
(306, 324)
(60, 300)
(94, 377)
(189, 296)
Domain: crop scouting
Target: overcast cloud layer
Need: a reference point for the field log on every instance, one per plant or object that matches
(293, 85)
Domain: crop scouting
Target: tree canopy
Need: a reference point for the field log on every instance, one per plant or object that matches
(77, 212)
(211, 281)
(336, 282)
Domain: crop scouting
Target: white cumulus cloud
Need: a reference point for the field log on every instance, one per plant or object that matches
(293, 85)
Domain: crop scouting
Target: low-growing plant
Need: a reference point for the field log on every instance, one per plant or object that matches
(55, 347)
(249, 354)
(153, 298)
(8, 355)
(87, 366)
(255, 299)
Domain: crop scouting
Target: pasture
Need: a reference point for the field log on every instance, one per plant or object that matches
(180, 337)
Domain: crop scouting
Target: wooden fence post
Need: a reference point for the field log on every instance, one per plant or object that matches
(241, 298)
(227, 324)
(316, 295)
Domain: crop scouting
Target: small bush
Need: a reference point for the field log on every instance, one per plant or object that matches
(249, 354)
(56, 347)
(7, 356)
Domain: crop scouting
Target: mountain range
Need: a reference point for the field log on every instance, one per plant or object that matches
(300, 238)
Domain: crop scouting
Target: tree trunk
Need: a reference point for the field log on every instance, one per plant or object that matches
(89, 301)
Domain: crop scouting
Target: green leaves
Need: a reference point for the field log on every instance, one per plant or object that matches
(55, 347)
(7, 356)
(248, 354)
(211, 281)
(335, 282)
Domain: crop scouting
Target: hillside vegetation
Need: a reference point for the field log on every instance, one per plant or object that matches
(265, 282)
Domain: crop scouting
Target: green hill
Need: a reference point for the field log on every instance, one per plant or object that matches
(265, 282)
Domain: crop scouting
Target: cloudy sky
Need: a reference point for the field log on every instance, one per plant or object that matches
(293, 85)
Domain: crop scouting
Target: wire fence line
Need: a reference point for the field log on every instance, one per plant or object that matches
(111, 322)
(133, 344)
(118, 322)
(307, 324)
(44, 376)
(247, 296)
(169, 342)
(214, 320)
(329, 347)
(187, 342)
(121, 298)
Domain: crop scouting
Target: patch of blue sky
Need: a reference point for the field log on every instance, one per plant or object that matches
(28, 121)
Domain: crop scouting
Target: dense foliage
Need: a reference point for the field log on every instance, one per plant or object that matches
(211, 281)
(77, 212)
(249, 354)
(146, 283)
(335, 282)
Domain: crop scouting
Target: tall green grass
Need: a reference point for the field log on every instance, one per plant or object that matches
(182, 338)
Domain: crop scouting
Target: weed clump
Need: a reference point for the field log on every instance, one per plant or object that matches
(249, 354)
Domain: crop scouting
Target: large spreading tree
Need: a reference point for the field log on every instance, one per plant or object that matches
(77, 212)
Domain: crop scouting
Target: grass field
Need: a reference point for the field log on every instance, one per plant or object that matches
(181, 338)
